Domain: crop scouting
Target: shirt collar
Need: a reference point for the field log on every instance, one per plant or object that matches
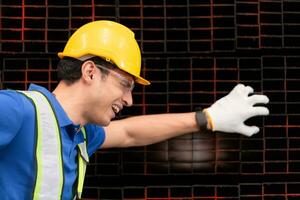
(61, 115)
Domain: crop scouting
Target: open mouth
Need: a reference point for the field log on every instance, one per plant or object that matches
(116, 108)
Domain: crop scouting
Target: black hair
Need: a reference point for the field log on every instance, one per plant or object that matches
(69, 69)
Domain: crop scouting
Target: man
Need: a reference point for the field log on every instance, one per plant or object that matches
(45, 136)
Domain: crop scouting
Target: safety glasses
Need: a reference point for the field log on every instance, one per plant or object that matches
(127, 84)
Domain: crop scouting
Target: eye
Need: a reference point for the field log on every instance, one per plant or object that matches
(127, 84)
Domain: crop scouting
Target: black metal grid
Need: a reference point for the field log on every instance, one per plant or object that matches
(194, 52)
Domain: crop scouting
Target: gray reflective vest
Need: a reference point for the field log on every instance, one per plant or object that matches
(49, 179)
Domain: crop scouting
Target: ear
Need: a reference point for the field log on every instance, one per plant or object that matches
(88, 70)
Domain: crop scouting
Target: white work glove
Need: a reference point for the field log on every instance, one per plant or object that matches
(229, 113)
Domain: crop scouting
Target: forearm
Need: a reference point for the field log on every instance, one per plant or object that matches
(149, 129)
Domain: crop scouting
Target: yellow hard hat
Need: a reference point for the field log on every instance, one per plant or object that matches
(109, 40)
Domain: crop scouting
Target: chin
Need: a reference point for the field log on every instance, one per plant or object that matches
(103, 119)
(105, 122)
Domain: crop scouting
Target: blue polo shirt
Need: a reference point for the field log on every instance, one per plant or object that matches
(17, 147)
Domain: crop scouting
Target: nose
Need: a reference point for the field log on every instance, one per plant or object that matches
(127, 98)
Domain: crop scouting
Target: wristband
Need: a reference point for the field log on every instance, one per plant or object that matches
(201, 120)
(210, 125)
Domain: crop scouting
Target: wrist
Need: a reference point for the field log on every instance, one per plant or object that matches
(202, 120)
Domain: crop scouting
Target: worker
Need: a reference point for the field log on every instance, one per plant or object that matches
(47, 137)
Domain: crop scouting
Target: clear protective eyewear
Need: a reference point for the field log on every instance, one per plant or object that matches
(127, 84)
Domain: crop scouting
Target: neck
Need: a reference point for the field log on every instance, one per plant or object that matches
(69, 97)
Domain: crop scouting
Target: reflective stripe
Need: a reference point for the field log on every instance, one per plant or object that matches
(83, 159)
(83, 151)
(49, 180)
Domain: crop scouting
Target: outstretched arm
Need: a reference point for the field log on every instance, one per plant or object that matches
(148, 129)
(228, 114)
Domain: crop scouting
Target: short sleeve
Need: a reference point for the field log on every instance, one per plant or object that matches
(11, 115)
(95, 137)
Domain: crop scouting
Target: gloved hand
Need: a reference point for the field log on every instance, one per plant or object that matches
(229, 113)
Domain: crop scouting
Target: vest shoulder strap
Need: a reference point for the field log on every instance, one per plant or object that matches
(49, 162)
(50, 175)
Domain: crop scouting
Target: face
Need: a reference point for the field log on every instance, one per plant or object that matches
(110, 93)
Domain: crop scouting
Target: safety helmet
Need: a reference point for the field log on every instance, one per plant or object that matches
(109, 40)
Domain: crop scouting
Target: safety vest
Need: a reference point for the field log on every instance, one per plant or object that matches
(49, 179)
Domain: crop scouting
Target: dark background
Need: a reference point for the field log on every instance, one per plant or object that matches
(194, 52)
